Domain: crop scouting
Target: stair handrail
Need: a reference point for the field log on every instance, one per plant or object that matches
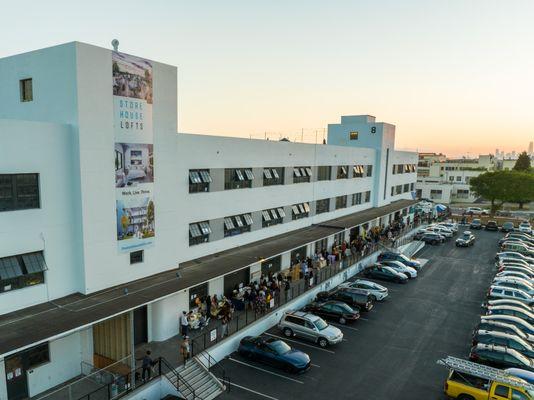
(179, 378)
(213, 363)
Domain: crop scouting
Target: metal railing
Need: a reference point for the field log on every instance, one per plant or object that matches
(165, 368)
(205, 358)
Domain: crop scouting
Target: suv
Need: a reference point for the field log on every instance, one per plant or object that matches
(310, 327)
(491, 226)
(476, 211)
(525, 227)
(500, 292)
(466, 240)
(360, 298)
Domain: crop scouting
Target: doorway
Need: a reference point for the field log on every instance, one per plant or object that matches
(140, 325)
(237, 278)
(16, 379)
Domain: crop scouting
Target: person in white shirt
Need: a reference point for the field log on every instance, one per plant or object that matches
(184, 323)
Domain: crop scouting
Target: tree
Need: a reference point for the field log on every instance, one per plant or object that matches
(520, 187)
(150, 214)
(491, 186)
(522, 163)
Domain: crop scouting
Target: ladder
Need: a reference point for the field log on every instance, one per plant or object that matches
(485, 372)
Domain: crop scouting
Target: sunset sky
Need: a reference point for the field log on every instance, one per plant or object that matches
(455, 76)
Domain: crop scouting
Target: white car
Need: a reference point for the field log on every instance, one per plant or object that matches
(513, 262)
(376, 291)
(514, 254)
(440, 230)
(513, 274)
(517, 269)
(500, 292)
(524, 227)
(476, 211)
(508, 302)
(400, 267)
(517, 283)
(452, 226)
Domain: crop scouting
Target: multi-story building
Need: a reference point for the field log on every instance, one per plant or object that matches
(102, 202)
(447, 180)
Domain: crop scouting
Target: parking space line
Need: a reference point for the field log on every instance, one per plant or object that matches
(315, 365)
(344, 326)
(302, 344)
(364, 319)
(253, 391)
(264, 370)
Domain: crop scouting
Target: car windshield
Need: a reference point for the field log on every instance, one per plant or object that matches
(467, 235)
(345, 308)
(279, 347)
(320, 324)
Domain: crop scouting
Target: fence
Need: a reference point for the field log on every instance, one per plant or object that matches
(241, 319)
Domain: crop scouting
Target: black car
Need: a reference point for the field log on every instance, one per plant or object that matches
(475, 224)
(432, 238)
(507, 227)
(359, 298)
(385, 273)
(491, 226)
(333, 310)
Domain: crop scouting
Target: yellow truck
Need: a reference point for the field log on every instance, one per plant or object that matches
(471, 381)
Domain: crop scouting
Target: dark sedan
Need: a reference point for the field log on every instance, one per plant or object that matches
(432, 238)
(507, 227)
(491, 226)
(475, 224)
(274, 352)
(385, 273)
(333, 310)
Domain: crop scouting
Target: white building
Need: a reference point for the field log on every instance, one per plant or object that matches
(101, 201)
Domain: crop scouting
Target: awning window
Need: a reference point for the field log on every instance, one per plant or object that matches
(281, 212)
(9, 268)
(274, 213)
(239, 221)
(34, 262)
(309, 171)
(205, 175)
(249, 174)
(239, 175)
(275, 174)
(295, 209)
(296, 172)
(194, 230)
(306, 207)
(194, 177)
(301, 208)
(267, 173)
(344, 170)
(266, 215)
(228, 223)
(303, 172)
(248, 219)
(205, 227)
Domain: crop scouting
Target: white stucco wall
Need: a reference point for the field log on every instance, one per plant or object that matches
(165, 314)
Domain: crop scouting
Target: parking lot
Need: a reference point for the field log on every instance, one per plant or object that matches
(391, 352)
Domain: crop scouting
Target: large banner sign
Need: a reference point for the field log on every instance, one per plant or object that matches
(134, 157)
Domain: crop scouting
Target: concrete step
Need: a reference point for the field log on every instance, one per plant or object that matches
(205, 385)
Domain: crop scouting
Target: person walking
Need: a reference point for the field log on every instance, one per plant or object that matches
(184, 323)
(185, 349)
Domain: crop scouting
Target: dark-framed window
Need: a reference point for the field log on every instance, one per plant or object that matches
(199, 232)
(369, 170)
(353, 135)
(358, 171)
(137, 257)
(341, 202)
(199, 291)
(199, 180)
(237, 224)
(406, 187)
(119, 160)
(300, 210)
(322, 206)
(272, 216)
(238, 178)
(356, 199)
(19, 192)
(37, 355)
(324, 173)
(26, 90)
(367, 197)
(342, 172)
(22, 270)
(273, 176)
(298, 255)
(412, 185)
(302, 174)
(321, 245)
(398, 189)
(272, 265)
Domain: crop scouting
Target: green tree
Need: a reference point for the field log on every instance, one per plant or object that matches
(150, 213)
(491, 186)
(520, 188)
(522, 163)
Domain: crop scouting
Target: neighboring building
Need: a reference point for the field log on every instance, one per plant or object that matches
(447, 180)
(101, 201)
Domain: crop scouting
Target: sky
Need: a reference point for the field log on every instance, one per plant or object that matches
(454, 76)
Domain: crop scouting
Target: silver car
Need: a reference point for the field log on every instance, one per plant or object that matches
(309, 327)
(376, 291)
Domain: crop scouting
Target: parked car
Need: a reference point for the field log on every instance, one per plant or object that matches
(396, 256)
(274, 352)
(376, 292)
(513, 262)
(499, 292)
(518, 247)
(400, 267)
(527, 376)
(513, 274)
(385, 273)
(520, 323)
(440, 230)
(511, 310)
(333, 310)
(453, 226)
(475, 224)
(504, 339)
(503, 327)
(476, 211)
(491, 226)
(508, 302)
(432, 238)
(517, 269)
(507, 226)
(500, 356)
(466, 240)
(525, 227)
(515, 239)
(420, 233)
(359, 298)
(525, 237)
(309, 327)
(516, 283)
(514, 254)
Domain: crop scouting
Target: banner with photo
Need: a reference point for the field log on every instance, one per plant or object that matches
(134, 155)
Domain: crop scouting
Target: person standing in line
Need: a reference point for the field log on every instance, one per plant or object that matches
(184, 323)
(224, 327)
(287, 290)
(208, 305)
(184, 349)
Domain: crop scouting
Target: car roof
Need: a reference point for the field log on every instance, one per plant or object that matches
(495, 286)
(508, 318)
(303, 314)
(501, 334)
(512, 308)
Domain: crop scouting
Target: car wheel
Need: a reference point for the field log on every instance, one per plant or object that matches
(465, 397)
(373, 298)
(342, 321)
(288, 332)
(398, 280)
(322, 342)
(407, 275)
(289, 369)
(434, 242)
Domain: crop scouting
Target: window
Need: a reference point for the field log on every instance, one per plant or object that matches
(358, 171)
(369, 170)
(237, 178)
(393, 190)
(301, 174)
(458, 179)
(299, 211)
(322, 206)
(26, 90)
(20, 271)
(406, 188)
(136, 257)
(436, 194)
(367, 198)
(37, 355)
(356, 199)
(341, 202)
(197, 292)
(412, 185)
(516, 395)
(502, 391)
(321, 245)
(199, 180)
(281, 212)
(19, 192)
(199, 232)
(342, 172)
(273, 176)
(272, 265)
(118, 160)
(271, 217)
(324, 173)
(237, 224)
(398, 189)
(462, 193)
(451, 178)
(353, 135)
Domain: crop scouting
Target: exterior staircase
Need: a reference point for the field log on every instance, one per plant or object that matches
(195, 381)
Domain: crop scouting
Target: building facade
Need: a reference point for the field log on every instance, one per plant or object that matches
(102, 202)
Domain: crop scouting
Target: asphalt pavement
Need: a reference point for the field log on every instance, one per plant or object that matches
(391, 352)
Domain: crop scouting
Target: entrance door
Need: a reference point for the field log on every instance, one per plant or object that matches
(236, 278)
(140, 326)
(16, 379)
